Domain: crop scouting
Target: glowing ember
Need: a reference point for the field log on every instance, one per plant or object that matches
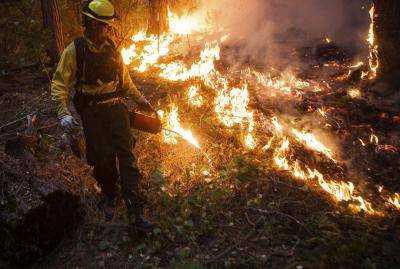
(328, 40)
(354, 93)
(173, 124)
(310, 141)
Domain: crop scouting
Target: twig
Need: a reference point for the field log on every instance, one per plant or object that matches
(281, 214)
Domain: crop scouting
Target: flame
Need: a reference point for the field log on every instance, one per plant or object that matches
(177, 71)
(341, 191)
(354, 93)
(373, 139)
(232, 102)
(328, 40)
(362, 142)
(172, 123)
(250, 141)
(154, 47)
(373, 47)
(322, 111)
(231, 105)
(310, 141)
(395, 200)
(193, 96)
(187, 24)
(287, 83)
(280, 155)
(278, 127)
(357, 65)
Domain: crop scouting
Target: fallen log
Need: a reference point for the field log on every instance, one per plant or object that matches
(35, 213)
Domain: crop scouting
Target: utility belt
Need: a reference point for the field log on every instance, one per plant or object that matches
(82, 101)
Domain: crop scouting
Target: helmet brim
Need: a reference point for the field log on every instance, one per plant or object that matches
(110, 22)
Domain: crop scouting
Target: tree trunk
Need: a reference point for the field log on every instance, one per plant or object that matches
(158, 21)
(52, 21)
(387, 36)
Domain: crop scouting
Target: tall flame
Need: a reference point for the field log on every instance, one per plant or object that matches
(373, 47)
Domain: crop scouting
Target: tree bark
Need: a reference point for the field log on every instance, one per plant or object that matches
(52, 21)
(158, 21)
(387, 36)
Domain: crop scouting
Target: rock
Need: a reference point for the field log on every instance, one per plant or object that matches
(35, 213)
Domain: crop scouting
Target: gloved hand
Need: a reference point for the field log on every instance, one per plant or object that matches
(68, 122)
(144, 104)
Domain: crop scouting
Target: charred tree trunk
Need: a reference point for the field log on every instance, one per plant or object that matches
(158, 21)
(52, 21)
(387, 34)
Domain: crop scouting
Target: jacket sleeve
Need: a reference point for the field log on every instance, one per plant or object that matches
(128, 84)
(64, 80)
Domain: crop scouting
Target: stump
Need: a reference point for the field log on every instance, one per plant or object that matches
(35, 213)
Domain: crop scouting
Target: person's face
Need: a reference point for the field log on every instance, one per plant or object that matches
(98, 30)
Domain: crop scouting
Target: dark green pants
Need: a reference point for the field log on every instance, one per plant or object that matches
(109, 142)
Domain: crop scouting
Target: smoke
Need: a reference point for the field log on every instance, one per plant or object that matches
(268, 29)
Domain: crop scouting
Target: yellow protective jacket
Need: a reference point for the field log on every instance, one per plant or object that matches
(64, 80)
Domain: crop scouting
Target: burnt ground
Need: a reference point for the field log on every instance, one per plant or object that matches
(266, 219)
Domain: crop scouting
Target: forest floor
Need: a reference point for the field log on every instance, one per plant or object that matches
(262, 218)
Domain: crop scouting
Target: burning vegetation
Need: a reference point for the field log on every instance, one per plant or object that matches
(215, 109)
(270, 153)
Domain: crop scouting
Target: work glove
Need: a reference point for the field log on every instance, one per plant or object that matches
(68, 123)
(145, 105)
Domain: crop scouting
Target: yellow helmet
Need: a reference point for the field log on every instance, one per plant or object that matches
(100, 10)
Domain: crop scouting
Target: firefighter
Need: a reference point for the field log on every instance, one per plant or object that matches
(92, 66)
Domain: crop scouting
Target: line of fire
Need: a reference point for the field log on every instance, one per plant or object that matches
(199, 133)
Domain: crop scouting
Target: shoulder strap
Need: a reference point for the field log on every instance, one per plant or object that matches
(119, 57)
(80, 57)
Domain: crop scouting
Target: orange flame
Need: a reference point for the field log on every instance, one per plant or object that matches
(373, 57)
(172, 123)
(310, 141)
